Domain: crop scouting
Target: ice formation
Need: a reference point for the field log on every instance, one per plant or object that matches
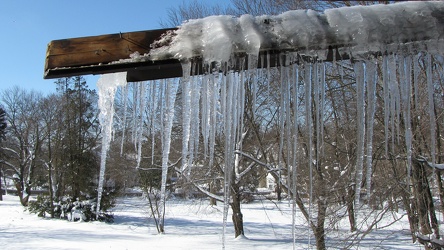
(358, 29)
(170, 89)
(231, 49)
(106, 86)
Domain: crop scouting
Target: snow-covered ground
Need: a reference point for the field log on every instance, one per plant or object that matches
(190, 224)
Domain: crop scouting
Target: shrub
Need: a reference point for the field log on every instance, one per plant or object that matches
(74, 210)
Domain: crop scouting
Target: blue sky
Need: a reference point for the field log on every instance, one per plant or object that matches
(27, 26)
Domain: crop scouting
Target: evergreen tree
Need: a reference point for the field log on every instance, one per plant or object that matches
(81, 128)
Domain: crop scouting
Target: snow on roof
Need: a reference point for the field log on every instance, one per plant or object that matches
(365, 28)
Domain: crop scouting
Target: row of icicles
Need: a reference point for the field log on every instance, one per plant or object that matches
(213, 105)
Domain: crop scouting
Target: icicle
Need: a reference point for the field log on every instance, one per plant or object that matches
(134, 121)
(186, 112)
(163, 94)
(194, 132)
(170, 97)
(139, 138)
(288, 135)
(405, 65)
(153, 110)
(268, 72)
(205, 112)
(223, 96)
(431, 91)
(309, 125)
(241, 102)
(252, 68)
(106, 85)
(416, 72)
(385, 79)
(215, 98)
(359, 68)
(281, 121)
(317, 114)
(371, 107)
(227, 99)
(236, 110)
(394, 100)
(321, 106)
(295, 148)
(125, 104)
(261, 71)
(341, 72)
(237, 141)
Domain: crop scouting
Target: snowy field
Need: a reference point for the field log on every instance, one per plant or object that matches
(190, 224)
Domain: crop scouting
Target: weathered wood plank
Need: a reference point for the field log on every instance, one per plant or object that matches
(97, 50)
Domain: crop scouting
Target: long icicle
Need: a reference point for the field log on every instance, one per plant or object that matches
(405, 68)
(371, 106)
(140, 126)
(281, 125)
(309, 125)
(205, 123)
(195, 121)
(152, 116)
(107, 86)
(186, 112)
(288, 127)
(125, 106)
(359, 68)
(322, 106)
(317, 113)
(170, 95)
(223, 101)
(431, 93)
(295, 147)
(386, 92)
(153, 110)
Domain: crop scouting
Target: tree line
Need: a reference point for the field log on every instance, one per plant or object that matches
(50, 142)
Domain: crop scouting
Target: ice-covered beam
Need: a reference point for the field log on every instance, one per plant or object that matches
(349, 31)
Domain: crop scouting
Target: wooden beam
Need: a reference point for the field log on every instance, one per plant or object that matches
(107, 53)
(98, 54)
(101, 55)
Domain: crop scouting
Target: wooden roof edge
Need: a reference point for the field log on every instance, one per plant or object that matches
(97, 54)
(160, 69)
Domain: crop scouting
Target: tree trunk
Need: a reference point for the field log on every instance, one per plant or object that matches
(440, 159)
(440, 189)
(22, 192)
(51, 191)
(237, 216)
(350, 207)
(431, 208)
(320, 238)
(410, 208)
(320, 227)
(213, 201)
(278, 190)
(420, 192)
(1, 192)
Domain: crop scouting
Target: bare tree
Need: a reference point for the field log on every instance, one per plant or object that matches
(23, 144)
(192, 10)
(3, 126)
